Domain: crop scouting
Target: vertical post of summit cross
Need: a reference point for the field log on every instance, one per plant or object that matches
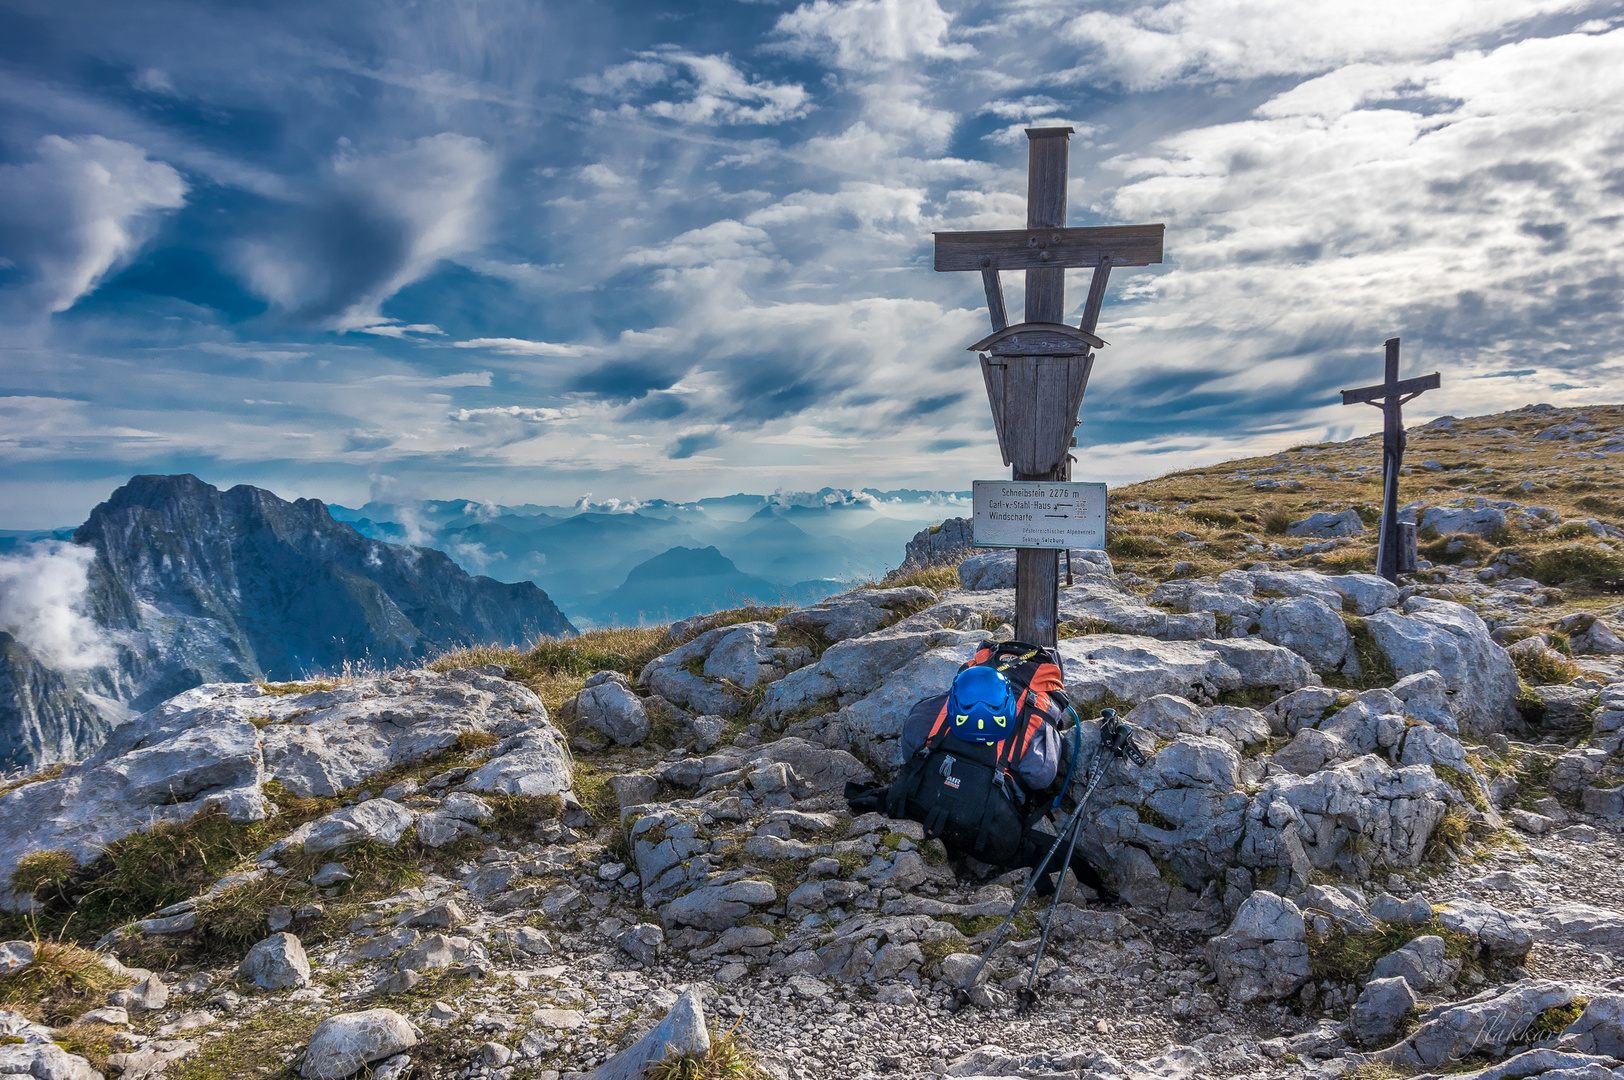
(1391, 395)
(1392, 454)
(1037, 372)
(1037, 572)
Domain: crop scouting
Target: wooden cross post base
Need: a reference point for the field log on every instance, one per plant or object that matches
(1037, 371)
(1393, 553)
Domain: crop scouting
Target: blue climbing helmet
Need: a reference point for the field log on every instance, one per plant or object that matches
(981, 705)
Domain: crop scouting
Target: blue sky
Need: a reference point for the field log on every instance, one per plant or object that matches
(522, 252)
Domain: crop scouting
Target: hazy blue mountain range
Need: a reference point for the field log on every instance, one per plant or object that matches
(172, 583)
(608, 562)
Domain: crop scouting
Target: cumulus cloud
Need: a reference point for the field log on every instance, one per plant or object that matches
(377, 222)
(826, 499)
(83, 207)
(42, 604)
(864, 35)
(692, 88)
(1152, 45)
(1442, 208)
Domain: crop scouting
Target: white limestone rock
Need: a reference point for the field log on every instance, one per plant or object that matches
(437, 829)
(717, 907)
(747, 656)
(1488, 1023)
(1382, 1006)
(1327, 524)
(851, 669)
(277, 963)
(368, 726)
(1309, 627)
(610, 706)
(44, 1061)
(1264, 953)
(1139, 668)
(856, 613)
(1427, 697)
(1449, 638)
(534, 763)
(1421, 963)
(682, 1032)
(1463, 519)
(342, 1045)
(15, 956)
(169, 780)
(643, 942)
(199, 751)
(1600, 1028)
(379, 820)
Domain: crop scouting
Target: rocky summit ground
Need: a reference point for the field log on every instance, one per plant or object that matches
(1378, 833)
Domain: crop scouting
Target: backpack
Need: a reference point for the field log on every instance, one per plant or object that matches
(965, 792)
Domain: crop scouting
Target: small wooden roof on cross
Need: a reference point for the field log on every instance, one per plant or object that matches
(1038, 339)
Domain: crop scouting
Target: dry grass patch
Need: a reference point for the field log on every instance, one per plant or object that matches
(287, 689)
(49, 772)
(475, 656)
(937, 576)
(596, 797)
(1544, 667)
(63, 981)
(39, 871)
(727, 1059)
(254, 1048)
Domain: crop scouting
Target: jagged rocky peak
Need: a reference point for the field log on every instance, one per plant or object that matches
(192, 585)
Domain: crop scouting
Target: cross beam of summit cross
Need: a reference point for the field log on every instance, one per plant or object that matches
(1037, 370)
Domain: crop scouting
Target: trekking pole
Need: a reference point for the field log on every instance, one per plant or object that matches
(1115, 740)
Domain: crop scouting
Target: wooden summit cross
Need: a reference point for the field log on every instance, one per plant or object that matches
(1390, 396)
(1037, 370)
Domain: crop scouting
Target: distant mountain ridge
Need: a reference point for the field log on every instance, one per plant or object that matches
(581, 554)
(694, 581)
(191, 585)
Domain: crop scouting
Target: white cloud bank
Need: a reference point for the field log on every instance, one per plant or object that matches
(42, 595)
(83, 207)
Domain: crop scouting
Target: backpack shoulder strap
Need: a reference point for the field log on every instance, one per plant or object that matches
(939, 731)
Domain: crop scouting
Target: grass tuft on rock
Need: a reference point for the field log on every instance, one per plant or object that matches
(288, 689)
(1341, 955)
(1586, 563)
(943, 575)
(1449, 835)
(596, 797)
(49, 772)
(63, 981)
(727, 1059)
(1555, 1020)
(39, 871)
(1376, 670)
(1463, 781)
(1544, 667)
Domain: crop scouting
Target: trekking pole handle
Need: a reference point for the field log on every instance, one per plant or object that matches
(1117, 737)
